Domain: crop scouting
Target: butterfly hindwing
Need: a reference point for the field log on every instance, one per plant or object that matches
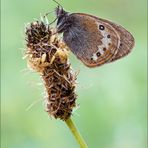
(126, 40)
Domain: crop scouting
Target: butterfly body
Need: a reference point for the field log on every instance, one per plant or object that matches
(93, 40)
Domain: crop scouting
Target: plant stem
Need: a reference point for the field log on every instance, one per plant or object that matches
(76, 133)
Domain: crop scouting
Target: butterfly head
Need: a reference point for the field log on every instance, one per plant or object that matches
(62, 16)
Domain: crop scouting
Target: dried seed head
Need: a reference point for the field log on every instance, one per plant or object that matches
(47, 54)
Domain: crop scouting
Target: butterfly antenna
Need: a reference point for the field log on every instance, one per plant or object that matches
(52, 12)
(57, 3)
(47, 13)
(53, 21)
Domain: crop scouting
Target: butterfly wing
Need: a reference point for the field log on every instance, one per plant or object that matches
(126, 40)
(96, 41)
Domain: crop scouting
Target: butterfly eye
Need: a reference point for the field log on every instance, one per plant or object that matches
(59, 20)
(101, 27)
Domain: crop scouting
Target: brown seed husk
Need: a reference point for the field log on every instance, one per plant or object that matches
(48, 55)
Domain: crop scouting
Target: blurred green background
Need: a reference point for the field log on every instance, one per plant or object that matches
(112, 98)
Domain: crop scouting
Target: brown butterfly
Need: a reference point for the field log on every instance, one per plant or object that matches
(93, 40)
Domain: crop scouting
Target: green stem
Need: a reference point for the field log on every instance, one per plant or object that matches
(76, 133)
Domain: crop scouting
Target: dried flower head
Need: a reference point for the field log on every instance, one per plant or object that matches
(48, 55)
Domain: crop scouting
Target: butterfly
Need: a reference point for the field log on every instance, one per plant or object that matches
(95, 41)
